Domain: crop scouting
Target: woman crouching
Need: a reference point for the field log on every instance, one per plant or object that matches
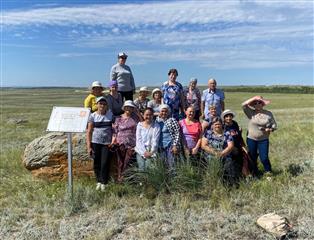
(99, 140)
(218, 144)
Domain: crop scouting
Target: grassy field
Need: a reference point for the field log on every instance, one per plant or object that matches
(191, 208)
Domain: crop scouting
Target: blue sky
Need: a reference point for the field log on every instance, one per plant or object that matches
(53, 43)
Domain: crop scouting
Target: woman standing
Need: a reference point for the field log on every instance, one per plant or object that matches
(147, 138)
(114, 99)
(125, 137)
(194, 98)
(99, 139)
(169, 143)
(173, 96)
(192, 131)
(90, 100)
(156, 101)
(219, 144)
(261, 124)
(123, 75)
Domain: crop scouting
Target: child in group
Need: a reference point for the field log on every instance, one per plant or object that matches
(142, 100)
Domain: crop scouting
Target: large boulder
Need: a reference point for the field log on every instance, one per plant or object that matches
(47, 156)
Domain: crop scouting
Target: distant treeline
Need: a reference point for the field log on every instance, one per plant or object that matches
(268, 89)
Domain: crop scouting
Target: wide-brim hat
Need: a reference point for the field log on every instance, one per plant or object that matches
(102, 98)
(259, 98)
(128, 103)
(143, 89)
(164, 106)
(96, 84)
(226, 112)
(156, 90)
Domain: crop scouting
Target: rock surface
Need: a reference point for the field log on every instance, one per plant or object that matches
(47, 156)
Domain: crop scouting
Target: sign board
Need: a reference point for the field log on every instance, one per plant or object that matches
(68, 119)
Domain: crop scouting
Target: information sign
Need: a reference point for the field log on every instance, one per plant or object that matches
(68, 119)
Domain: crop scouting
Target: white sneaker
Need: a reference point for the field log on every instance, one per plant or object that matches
(102, 187)
(98, 186)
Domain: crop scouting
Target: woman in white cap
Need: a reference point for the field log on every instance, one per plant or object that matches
(193, 97)
(99, 139)
(123, 75)
(156, 101)
(237, 153)
(125, 137)
(261, 124)
(147, 138)
(170, 137)
(90, 100)
(142, 100)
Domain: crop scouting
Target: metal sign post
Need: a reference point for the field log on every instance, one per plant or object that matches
(69, 120)
(70, 178)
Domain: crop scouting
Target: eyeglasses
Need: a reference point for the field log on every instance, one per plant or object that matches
(102, 103)
(257, 102)
(123, 58)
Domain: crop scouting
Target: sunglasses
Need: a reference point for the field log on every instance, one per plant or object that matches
(258, 102)
(102, 103)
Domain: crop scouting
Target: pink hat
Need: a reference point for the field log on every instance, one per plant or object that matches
(259, 98)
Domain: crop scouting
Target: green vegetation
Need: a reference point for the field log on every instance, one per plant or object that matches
(192, 205)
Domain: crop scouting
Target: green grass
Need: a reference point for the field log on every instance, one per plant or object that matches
(192, 205)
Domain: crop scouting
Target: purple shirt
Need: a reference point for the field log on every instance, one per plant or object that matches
(125, 128)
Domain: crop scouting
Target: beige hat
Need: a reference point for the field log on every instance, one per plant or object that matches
(259, 99)
(144, 89)
(226, 112)
(156, 90)
(96, 84)
(128, 103)
(102, 98)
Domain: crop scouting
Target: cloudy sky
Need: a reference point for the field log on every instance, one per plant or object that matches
(53, 43)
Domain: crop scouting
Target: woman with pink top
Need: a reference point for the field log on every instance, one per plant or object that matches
(192, 131)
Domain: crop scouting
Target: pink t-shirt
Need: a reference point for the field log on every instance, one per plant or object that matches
(191, 132)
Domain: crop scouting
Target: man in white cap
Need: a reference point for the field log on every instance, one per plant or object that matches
(122, 73)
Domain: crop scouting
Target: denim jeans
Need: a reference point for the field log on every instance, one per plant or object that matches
(143, 163)
(262, 147)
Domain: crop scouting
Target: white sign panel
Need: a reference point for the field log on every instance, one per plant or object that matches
(68, 119)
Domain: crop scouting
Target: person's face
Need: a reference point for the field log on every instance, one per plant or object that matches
(213, 111)
(143, 94)
(228, 119)
(157, 95)
(114, 88)
(193, 85)
(190, 113)
(163, 113)
(258, 105)
(217, 127)
(148, 116)
(212, 84)
(102, 106)
(128, 109)
(97, 91)
(173, 77)
(122, 60)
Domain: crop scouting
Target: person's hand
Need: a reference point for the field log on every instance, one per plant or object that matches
(90, 151)
(195, 151)
(174, 150)
(147, 154)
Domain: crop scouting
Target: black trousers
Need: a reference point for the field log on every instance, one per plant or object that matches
(126, 95)
(102, 158)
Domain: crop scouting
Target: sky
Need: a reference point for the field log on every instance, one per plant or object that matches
(237, 42)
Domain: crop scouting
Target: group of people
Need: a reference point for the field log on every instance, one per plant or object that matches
(176, 124)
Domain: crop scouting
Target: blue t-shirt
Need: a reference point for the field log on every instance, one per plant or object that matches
(213, 98)
(218, 142)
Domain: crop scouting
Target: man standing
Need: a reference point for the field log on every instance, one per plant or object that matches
(212, 96)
